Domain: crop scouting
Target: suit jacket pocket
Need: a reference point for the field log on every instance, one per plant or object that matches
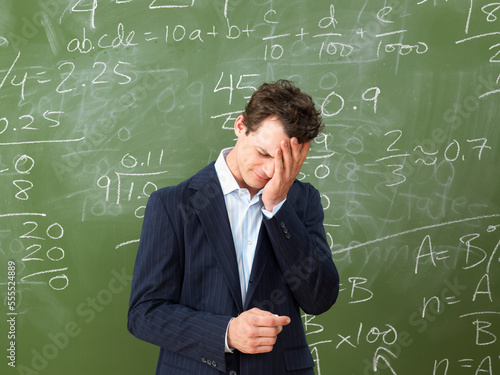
(298, 359)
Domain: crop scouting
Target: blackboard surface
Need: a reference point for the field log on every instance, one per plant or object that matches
(103, 102)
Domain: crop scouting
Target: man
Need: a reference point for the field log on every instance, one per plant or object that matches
(228, 257)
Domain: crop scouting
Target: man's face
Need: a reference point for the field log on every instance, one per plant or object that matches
(252, 160)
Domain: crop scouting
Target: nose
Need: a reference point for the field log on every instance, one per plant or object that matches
(268, 168)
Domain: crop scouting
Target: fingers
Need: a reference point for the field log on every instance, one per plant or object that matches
(278, 160)
(299, 151)
(263, 318)
(291, 155)
(255, 331)
(285, 156)
(286, 149)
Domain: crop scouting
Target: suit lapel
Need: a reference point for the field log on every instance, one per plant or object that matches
(208, 202)
(262, 254)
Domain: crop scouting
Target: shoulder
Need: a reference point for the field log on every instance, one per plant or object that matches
(302, 191)
(303, 196)
(188, 187)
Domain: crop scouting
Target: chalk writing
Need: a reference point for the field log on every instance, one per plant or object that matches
(101, 74)
(490, 12)
(43, 255)
(424, 157)
(104, 102)
(311, 330)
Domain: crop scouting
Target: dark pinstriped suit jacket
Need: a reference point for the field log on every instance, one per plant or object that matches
(186, 287)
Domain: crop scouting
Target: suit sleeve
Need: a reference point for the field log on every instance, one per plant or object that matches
(303, 254)
(155, 314)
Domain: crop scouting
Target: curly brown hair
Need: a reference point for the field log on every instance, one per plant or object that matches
(294, 108)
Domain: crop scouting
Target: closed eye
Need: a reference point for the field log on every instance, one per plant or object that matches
(264, 154)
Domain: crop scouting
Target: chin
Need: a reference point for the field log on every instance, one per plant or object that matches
(256, 185)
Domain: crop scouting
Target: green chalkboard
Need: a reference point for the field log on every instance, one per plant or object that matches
(103, 102)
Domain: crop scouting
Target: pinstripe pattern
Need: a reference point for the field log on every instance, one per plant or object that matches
(186, 285)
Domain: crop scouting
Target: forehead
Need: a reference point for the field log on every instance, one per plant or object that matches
(269, 134)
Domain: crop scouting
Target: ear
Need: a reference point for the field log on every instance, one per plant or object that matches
(239, 126)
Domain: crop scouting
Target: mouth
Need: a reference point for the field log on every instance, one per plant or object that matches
(260, 178)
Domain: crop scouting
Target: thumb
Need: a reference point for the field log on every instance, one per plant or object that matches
(283, 320)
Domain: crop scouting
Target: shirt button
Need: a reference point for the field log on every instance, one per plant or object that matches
(249, 242)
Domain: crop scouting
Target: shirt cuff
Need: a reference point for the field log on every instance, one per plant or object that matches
(228, 349)
(270, 214)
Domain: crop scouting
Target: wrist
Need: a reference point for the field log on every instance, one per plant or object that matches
(271, 212)
(270, 204)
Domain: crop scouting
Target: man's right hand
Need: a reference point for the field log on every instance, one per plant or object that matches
(255, 331)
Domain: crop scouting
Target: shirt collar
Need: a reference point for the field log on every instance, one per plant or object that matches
(227, 181)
